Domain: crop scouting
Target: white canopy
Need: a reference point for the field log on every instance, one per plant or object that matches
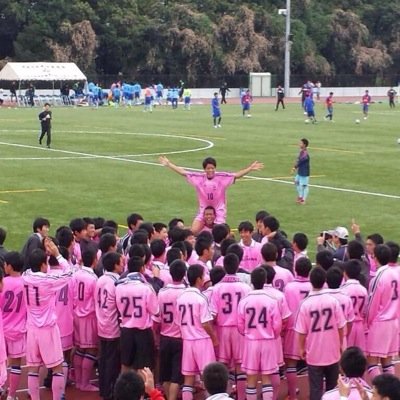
(41, 71)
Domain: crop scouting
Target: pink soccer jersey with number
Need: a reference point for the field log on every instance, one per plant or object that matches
(136, 302)
(211, 192)
(251, 256)
(319, 318)
(192, 311)
(167, 298)
(295, 292)
(359, 296)
(280, 298)
(345, 302)
(259, 317)
(282, 277)
(12, 303)
(106, 306)
(84, 292)
(40, 297)
(225, 299)
(384, 296)
(65, 306)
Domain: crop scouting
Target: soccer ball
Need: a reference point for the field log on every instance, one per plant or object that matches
(357, 121)
(307, 121)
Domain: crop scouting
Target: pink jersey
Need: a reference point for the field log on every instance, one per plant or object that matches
(84, 292)
(280, 298)
(251, 255)
(295, 292)
(345, 302)
(220, 262)
(3, 351)
(12, 303)
(372, 265)
(319, 318)
(211, 192)
(65, 306)
(384, 299)
(40, 297)
(106, 307)
(259, 317)
(282, 277)
(167, 302)
(354, 393)
(192, 311)
(206, 267)
(76, 252)
(359, 297)
(297, 256)
(208, 293)
(136, 302)
(225, 299)
(165, 276)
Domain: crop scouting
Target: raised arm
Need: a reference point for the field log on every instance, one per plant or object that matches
(164, 161)
(254, 166)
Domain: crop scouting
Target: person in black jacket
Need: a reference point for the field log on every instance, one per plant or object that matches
(45, 120)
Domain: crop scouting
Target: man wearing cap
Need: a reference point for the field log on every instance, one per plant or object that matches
(340, 236)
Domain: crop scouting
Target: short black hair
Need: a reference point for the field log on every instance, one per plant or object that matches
(324, 259)
(394, 251)
(216, 378)
(77, 225)
(271, 222)
(64, 236)
(377, 238)
(174, 222)
(176, 235)
(301, 240)
(334, 277)
(181, 246)
(209, 160)
(216, 274)
(382, 253)
(129, 386)
(158, 247)
(258, 278)
(355, 249)
(246, 226)
(194, 272)
(231, 263)
(269, 252)
(353, 269)
(305, 142)
(225, 245)
(148, 227)
(133, 219)
(303, 267)
(88, 257)
(110, 223)
(173, 254)
(235, 248)
(110, 259)
(135, 264)
(177, 269)
(261, 215)
(39, 223)
(353, 362)
(270, 273)
(202, 244)
(137, 250)
(141, 236)
(36, 259)
(317, 277)
(159, 226)
(14, 259)
(106, 241)
(220, 232)
(387, 385)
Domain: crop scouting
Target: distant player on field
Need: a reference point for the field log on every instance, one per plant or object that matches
(302, 167)
(366, 101)
(391, 94)
(216, 111)
(210, 187)
(309, 108)
(329, 107)
(246, 102)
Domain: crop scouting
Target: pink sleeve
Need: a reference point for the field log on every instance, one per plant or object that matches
(152, 303)
(205, 312)
(240, 318)
(193, 178)
(301, 323)
(276, 321)
(373, 303)
(286, 313)
(350, 312)
(341, 320)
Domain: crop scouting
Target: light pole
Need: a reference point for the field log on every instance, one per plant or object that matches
(288, 43)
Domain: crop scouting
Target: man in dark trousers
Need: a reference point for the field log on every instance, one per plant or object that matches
(280, 95)
(45, 120)
(223, 89)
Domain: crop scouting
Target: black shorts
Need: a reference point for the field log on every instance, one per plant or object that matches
(137, 348)
(170, 360)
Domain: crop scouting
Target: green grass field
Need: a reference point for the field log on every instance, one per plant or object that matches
(104, 162)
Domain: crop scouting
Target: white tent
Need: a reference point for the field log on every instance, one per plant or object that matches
(41, 71)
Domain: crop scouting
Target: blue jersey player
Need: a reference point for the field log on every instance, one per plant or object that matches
(216, 111)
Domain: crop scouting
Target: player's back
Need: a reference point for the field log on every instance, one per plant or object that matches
(65, 306)
(136, 303)
(259, 317)
(12, 303)
(282, 277)
(295, 292)
(84, 292)
(280, 298)
(359, 296)
(384, 299)
(40, 297)
(192, 311)
(345, 302)
(225, 299)
(167, 298)
(106, 307)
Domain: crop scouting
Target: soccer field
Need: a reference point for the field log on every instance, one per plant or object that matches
(104, 162)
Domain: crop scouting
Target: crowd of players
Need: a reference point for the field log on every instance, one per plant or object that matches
(163, 298)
